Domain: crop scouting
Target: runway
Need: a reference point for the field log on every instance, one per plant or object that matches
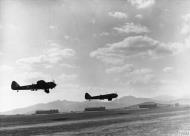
(124, 124)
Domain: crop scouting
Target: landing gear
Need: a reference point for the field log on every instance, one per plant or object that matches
(46, 90)
(109, 99)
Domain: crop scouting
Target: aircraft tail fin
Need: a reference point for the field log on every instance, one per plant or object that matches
(87, 96)
(14, 85)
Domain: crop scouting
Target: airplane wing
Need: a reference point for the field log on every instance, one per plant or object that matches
(96, 97)
(27, 87)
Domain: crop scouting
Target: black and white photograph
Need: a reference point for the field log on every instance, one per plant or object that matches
(94, 67)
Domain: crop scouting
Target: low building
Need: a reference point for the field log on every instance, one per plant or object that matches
(95, 109)
(148, 105)
(176, 104)
(53, 111)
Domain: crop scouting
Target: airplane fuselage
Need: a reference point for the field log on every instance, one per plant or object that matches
(41, 84)
(109, 97)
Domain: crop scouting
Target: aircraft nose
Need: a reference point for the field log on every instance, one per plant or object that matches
(54, 84)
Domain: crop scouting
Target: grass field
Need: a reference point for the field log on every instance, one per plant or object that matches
(154, 122)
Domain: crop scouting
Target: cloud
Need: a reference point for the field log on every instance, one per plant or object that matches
(185, 29)
(93, 21)
(141, 4)
(169, 82)
(119, 15)
(129, 74)
(32, 60)
(167, 69)
(67, 77)
(52, 27)
(52, 56)
(140, 71)
(55, 54)
(9, 73)
(104, 34)
(38, 67)
(68, 65)
(134, 46)
(132, 28)
(68, 81)
(140, 76)
(6, 68)
(33, 76)
(107, 55)
(119, 69)
(9, 26)
(142, 79)
(139, 16)
(128, 70)
(67, 37)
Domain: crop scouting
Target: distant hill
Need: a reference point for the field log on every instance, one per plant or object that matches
(131, 100)
(67, 106)
(184, 101)
(164, 98)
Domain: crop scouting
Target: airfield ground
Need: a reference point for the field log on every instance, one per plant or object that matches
(168, 121)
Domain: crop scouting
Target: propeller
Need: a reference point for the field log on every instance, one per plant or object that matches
(53, 81)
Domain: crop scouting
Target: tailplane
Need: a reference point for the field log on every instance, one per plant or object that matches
(15, 85)
(87, 96)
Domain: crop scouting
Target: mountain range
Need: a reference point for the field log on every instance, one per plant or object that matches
(67, 106)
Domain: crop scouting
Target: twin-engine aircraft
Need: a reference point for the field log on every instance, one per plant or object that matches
(101, 97)
(41, 84)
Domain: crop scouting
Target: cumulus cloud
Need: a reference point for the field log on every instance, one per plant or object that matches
(67, 37)
(128, 70)
(107, 55)
(34, 68)
(68, 80)
(52, 27)
(9, 26)
(10, 73)
(167, 69)
(131, 75)
(68, 66)
(33, 76)
(140, 76)
(142, 79)
(139, 16)
(141, 4)
(134, 46)
(132, 28)
(119, 69)
(51, 56)
(119, 15)
(185, 29)
(141, 71)
(56, 54)
(68, 77)
(5, 68)
(104, 34)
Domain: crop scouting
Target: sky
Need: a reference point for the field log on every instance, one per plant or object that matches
(129, 47)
